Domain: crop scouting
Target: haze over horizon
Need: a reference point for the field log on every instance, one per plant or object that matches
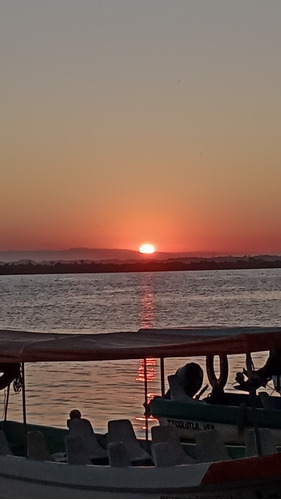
(131, 122)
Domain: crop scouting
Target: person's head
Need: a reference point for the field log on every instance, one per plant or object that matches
(75, 414)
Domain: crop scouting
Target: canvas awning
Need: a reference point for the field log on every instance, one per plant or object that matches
(22, 346)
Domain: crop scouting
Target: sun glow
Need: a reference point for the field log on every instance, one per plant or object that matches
(147, 248)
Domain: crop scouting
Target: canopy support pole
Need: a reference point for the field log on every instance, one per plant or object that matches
(252, 394)
(145, 397)
(24, 408)
(162, 377)
(7, 402)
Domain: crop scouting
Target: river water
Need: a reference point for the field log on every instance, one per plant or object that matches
(100, 303)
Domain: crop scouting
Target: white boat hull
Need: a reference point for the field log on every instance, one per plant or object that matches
(26, 478)
(188, 429)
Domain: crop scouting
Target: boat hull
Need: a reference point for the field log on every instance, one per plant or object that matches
(188, 429)
(230, 421)
(257, 477)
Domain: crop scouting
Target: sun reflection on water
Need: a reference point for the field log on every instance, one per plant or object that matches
(151, 365)
(147, 368)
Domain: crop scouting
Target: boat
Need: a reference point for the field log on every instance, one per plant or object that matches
(231, 413)
(228, 473)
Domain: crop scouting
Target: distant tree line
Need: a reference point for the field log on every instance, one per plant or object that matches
(126, 267)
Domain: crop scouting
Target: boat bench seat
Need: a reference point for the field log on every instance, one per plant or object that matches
(82, 428)
(76, 452)
(171, 451)
(118, 454)
(5, 448)
(37, 448)
(164, 455)
(210, 447)
(122, 431)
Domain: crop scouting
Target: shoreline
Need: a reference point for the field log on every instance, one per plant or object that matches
(84, 267)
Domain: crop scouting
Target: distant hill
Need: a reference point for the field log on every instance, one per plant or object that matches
(91, 254)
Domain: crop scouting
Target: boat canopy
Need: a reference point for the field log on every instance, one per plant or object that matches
(22, 346)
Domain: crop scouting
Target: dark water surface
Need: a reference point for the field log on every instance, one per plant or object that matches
(99, 303)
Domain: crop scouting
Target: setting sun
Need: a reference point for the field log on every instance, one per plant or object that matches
(147, 248)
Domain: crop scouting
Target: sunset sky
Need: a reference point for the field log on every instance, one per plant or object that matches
(126, 121)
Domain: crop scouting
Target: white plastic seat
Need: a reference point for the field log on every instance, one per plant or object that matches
(76, 452)
(37, 446)
(38, 450)
(4, 445)
(122, 430)
(118, 454)
(268, 442)
(167, 434)
(82, 428)
(210, 447)
(163, 454)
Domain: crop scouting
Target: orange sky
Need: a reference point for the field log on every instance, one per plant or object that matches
(126, 122)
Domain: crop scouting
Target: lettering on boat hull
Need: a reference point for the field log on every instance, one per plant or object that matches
(190, 425)
(187, 429)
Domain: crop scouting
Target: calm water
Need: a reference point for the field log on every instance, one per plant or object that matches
(99, 303)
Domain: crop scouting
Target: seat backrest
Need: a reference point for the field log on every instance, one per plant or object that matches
(4, 445)
(37, 446)
(210, 447)
(80, 425)
(118, 454)
(82, 428)
(76, 452)
(161, 433)
(122, 430)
